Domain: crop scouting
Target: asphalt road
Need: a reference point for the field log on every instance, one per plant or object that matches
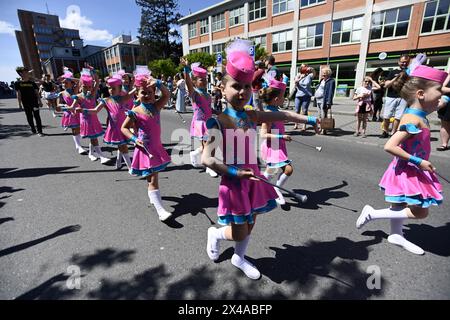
(60, 213)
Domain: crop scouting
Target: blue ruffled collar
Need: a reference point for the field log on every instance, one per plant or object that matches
(420, 113)
(229, 111)
(148, 107)
(272, 108)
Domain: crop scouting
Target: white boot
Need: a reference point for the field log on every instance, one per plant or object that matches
(196, 158)
(92, 156)
(211, 172)
(281, 181)
(155, 199)
(127, 159)
(78, 147)
(119, 160)
(100, 154)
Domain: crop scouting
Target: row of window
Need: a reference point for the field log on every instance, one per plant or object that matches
(256, 10)
(385, 24)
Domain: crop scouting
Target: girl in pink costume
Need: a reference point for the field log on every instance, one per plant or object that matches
(201, 104)
(91, 127)
(149, 157)
(241, 197)
(273, 150)
(116, 105)
(410, 184)
(70, 118)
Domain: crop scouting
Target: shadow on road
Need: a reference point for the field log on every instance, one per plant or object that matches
(300, 265)
(193, 203)
(431, 239)
(319, 198)
(8, 131)
(26, 245)
(6, 190)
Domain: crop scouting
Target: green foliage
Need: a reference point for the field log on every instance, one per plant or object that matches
(162, 66)
(207, 60)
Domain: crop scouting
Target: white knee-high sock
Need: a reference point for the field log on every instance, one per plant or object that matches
(282, 179)
(241, 247)
(368, 214)
(77, 141)
(127, 159)
(240, 262)
(388, 213)
(397, 226)
(213, 245)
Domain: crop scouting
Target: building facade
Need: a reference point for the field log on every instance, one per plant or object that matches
(39, 34)
(347, 35)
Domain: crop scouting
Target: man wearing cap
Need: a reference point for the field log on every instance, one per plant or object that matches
(29, 100)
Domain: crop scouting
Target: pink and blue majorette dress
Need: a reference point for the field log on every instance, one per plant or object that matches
(70, 120)
(154, 157)
(90, 126)
(202, 112)
(117, 108)
(240, 199)
(404, 182)
(274, 150)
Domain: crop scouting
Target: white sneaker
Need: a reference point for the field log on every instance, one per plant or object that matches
(246, 267)
(400, 241)
(212, 173)
(212, 246)
(163, 214)
(280, 200)
(196, 158)
(104, 160)
(81, 150)
(364, 217)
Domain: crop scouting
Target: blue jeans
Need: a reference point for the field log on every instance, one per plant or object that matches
(302, 104)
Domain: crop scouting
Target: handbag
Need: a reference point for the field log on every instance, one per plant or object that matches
(327, 123)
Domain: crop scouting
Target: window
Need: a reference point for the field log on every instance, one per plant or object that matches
(347, 30)
(204, 26)
(192, 30)
(193, 51)
(305, 3)
(257, 10)
(218, 47)
(390, 23)
(436, 16)
(236, 16)
(204, 49)
(218, 22)
(310, 36)
(279, 6)
(261, 40)
(282, 41)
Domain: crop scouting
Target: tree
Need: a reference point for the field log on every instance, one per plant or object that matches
(162, 66)
(157, 33)
(207, 60)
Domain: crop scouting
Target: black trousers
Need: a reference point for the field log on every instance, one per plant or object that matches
(31, 112)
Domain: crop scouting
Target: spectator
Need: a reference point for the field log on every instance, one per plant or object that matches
(170, 88)
(444, 115)
(28, 99)
(103, 89)
(395, 105)
(325, 93)
(364, 106)
(303, 94)
(49, 92)
(181, 93)
(217, 93)
(272, 69)
(257, 85)
(378, 94)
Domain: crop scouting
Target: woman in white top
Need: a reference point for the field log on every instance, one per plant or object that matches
(181, 93)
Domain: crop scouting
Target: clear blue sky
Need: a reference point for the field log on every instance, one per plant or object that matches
(97, 19)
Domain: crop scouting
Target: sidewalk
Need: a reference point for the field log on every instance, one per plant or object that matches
(343, 112)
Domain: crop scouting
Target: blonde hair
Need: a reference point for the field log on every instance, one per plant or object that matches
(327, 71)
